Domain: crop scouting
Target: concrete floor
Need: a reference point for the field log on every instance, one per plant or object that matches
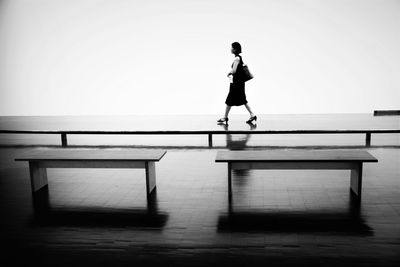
(101, 216)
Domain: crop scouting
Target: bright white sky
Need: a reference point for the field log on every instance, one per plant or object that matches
(76, 57)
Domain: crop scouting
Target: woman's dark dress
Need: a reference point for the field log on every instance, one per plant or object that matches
(237, 95)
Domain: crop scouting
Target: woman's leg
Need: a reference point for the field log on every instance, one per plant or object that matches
(227, 109)
(249, 109)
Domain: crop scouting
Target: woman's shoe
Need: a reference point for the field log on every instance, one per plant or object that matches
(223, 120)
(254, 118)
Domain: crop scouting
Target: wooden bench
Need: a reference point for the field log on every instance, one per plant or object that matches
(310, 159)
(40, 160)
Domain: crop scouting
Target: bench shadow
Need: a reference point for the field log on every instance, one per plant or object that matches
(286, 222)
(346, 221)
(46, 215)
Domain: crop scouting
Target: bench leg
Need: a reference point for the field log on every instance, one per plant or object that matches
(38, 176)
(150, 176)
(356, 180)
(230, 181)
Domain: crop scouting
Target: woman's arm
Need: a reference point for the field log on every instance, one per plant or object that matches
(234, 67)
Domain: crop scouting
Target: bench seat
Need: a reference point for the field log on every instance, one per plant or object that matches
(40, 160)
(299, 159)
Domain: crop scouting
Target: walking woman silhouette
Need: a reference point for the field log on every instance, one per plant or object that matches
(237, 95)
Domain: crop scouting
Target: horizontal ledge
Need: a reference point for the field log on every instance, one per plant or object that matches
(214, 147)
(202, 132)
(386, 112)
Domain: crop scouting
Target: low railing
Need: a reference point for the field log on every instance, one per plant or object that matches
(64, 141)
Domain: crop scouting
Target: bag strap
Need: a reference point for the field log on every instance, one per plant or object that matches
(241, 60)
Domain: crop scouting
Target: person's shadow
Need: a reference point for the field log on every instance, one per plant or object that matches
(238, 143)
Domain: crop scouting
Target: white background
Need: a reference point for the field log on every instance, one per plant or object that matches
(77, 57)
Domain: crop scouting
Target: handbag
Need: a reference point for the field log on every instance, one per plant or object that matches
(246, 75)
